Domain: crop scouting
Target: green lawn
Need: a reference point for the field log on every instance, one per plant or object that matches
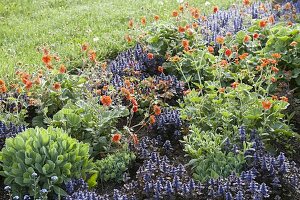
(63, 25)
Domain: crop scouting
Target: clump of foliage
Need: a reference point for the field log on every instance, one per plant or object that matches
(33, 157)
(225, 111)
(112, 167)
(89, 122)
(209, 160)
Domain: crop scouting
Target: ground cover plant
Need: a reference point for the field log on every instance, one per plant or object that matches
(201, 103)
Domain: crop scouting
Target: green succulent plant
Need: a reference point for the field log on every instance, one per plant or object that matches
(113, 166)
(33, 157)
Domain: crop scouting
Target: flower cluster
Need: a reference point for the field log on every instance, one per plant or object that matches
(7, 131)
(236, 18)
(168, 122)
(78, 189)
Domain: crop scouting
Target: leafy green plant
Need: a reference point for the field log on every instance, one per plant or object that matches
(89, 122)
(113, 166)
(34, 156)
(209, 160)
(224, 112)
(52, 100)
(279, 38)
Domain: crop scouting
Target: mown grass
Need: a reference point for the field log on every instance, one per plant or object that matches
(63, 25)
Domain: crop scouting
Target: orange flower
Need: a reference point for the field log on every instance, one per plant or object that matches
(152, 119)
(215, 9)
(181, 29)
(223, 63)
(258, 68)
(130, 23)
(143, 21)
(3, 88)
(210, 49)
(62, 69)
(128, 38)
(236, 60)
(105, 87)
(56, 86)
(49, 66)
(262, 23)
(2, 82)
(246, 2)
(46, 59)
(266, 105)
(134, 102)
(290, 23)
(116, 137)
(195, 13)
(273, 79)
(84, 47)
(275, 69)
(195, 25)
(19, 90)
(160, 69)
(131, 90)
(175, 58)
(175, 13)
(228, 52)
(287, 6)
(181, 8)
(274, 97)
(150, 56)
(255, 35)
(276, 55)
(127, 83)
(156, 109)
(92, 55)
(283, 98)
(125, 92)
(106, 100)
(135, 139)
(156, 17)
(247, 38)
(185, 43)
(135, 108)
(277, 7)
(234, 85)
(271, 19)
(98, 92)
(293, 44)
(28, 84)
(220, 40)
(221, 90)
(103, 66)
(243, 56)
(37, 81)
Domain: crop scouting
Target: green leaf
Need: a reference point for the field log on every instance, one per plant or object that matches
(38, 121)
(283, 38)
(92, 181)
(59, 191)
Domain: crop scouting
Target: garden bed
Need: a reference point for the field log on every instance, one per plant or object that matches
(201, 107)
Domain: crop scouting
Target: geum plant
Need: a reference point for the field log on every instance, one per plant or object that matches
(217, 115)
(90, 122)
